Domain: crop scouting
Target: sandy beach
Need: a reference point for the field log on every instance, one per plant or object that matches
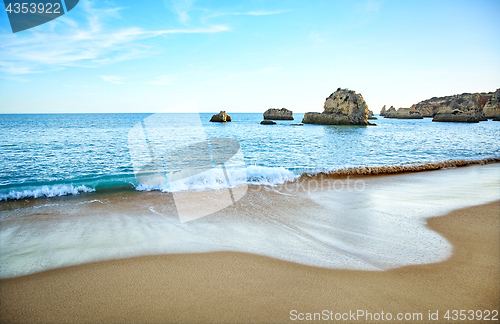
(227, 287)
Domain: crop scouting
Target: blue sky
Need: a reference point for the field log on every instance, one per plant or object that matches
(248, 56)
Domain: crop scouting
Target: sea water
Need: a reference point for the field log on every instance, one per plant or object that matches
(59, 154)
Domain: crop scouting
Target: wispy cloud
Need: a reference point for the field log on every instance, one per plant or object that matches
(370, 5)
(259, 72)
(112, 78)
(87, 44)
(163, 80)
(181, 8)
(15, 78)
(316, 37)
(262, 12)
(248, 13)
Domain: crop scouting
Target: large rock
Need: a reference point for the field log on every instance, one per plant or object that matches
(343, 107)
(370, 115)
(403, 113)
(492, 107)
(278, 114)
(389, 111)
(382, 111)
(458, 116)
(463, 102)
(221, 117)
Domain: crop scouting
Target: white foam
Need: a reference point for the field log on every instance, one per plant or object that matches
(214, 179)
(46, 191)
(268, 175)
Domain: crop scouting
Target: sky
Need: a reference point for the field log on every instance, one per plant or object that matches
(127, 56)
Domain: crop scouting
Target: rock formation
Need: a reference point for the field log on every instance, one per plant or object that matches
(492, 107)
(382, 112)
(343, 107)
(267, 122)
(403, 113)
(221, 117)
(278, 114)
(462, 102)
(370, 115)
(473, 115)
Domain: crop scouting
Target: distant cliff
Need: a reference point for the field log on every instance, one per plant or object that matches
(492, 107)
(479, 104)
(403, 113)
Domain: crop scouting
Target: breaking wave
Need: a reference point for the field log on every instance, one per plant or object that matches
(217, 179)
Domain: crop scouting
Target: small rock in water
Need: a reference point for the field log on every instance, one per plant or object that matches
(278, 114)
(221, 117)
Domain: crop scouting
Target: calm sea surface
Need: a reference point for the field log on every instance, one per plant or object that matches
(58, 154)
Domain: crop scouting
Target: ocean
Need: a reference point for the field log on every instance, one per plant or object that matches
(64, 154)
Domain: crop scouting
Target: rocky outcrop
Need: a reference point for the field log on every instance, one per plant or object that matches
(463, 102)
(370, 115)
(267, 122)
(343, 107)
(221, 117)
(403, 113)
(278, 114)
(492, 107)
(383, 111)
(458, 116)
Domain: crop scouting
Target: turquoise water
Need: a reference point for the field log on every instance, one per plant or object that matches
(58, 154)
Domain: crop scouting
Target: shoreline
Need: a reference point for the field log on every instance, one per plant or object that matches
(400, 169)
(123, 183)
(239, 287)
(375, 224)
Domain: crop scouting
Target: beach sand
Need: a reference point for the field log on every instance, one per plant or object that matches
(230, 287)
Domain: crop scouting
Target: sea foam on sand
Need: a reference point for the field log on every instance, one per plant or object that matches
(369, 223)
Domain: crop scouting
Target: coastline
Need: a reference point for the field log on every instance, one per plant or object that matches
(256, 176)
(373, 223)
(238, 287)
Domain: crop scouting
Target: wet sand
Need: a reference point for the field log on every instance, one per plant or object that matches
(235, 287)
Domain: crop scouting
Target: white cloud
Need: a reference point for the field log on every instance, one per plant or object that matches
(15, 78)
(182, 8)
(87, 44)
(259, 72)
(112, 78)
(163, 80)
(370, 6)
(316, 37)
(264, 13)
(249, 13)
